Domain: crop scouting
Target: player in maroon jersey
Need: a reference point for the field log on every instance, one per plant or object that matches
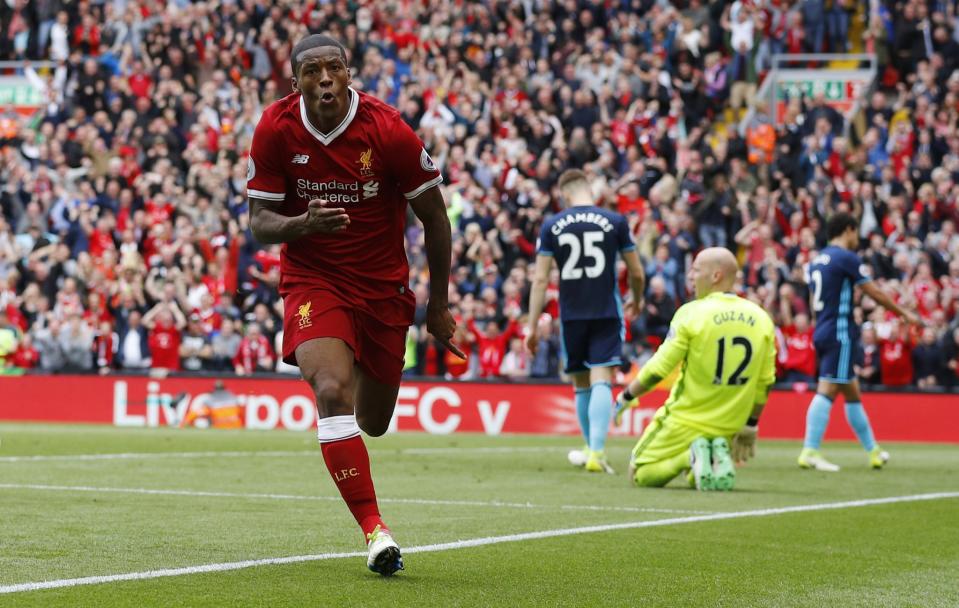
(330, 173)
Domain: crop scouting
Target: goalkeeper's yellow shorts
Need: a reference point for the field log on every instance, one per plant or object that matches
(664, 438)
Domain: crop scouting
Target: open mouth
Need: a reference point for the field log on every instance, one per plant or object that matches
(327, 97)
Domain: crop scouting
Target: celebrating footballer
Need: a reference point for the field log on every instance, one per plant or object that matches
(330, 174)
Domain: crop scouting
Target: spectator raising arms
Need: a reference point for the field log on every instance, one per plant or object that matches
(491, 344)
(165, 321)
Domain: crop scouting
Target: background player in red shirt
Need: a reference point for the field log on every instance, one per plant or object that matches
(330, 173)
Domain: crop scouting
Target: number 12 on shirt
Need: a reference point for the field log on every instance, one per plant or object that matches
(736, 378)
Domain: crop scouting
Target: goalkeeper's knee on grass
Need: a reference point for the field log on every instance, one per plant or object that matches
(658, 474)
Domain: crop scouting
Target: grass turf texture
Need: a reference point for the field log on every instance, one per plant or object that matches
(903, 554)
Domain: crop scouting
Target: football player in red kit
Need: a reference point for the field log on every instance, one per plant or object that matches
(330, 173)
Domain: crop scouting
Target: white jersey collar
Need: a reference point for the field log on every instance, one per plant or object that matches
(327, 138)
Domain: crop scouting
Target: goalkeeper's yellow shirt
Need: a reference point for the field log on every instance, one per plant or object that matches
(726, 347)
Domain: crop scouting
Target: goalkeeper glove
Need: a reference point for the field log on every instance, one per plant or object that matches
(744, 443)
(622, 405)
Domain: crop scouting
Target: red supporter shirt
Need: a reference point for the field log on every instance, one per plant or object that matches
(895, 362)
(551, 306)
(210, 319)
(251, 350)
(266, 260)
(16, 317)
(631, 205)
(510, 99)
(430, 360)
(89, 36)
(103, 350)
(95, 317)
(622, 134)
(164, 343)
(100, 242)
(26, 357)
(455, 366)
(800, 352)
(130, 170)
(492, 350)
(158, 213)
(140, 84)
(370, 165)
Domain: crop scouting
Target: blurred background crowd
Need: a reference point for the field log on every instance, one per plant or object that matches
(124, 238)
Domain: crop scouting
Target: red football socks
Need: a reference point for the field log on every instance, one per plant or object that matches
(349, 464)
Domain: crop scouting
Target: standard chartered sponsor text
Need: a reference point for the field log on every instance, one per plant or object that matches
(334, 191)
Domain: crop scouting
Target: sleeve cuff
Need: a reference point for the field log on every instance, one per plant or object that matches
(270, 196)
(424, 187)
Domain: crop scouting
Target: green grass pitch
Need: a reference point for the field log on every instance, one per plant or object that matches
(184, 498)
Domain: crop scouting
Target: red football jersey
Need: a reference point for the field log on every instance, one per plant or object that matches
(800, 352)
(164, 342)
(895, 362)
(370, 165)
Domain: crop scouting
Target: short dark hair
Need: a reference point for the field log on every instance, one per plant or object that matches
(311, 42)
(840, 223)
(570, 176)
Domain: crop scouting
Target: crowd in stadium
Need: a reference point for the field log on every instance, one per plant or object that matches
(124, 238)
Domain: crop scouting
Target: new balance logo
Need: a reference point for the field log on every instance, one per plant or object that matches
(301, 159)
(371, 189)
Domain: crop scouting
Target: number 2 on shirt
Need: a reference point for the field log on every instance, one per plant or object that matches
(817, 302)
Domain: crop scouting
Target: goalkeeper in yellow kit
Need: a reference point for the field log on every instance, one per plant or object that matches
(725, 346)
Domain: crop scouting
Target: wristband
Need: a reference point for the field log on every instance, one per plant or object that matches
(628, 396)
(753, 421)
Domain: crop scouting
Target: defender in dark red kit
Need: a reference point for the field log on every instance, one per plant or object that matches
(331, 171)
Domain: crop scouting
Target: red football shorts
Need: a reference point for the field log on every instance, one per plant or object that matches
(375, 330)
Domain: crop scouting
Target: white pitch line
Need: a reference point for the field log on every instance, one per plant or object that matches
(479, 450)
(462, 544)
(133, 576)
(271, 453)
(411, 501)
(149, 455)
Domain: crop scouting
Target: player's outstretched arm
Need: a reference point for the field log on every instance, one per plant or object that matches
(269, 226)
(431, 210)
(873, 291)
(667, 357)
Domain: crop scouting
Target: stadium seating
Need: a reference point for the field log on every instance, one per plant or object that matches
(123, 176)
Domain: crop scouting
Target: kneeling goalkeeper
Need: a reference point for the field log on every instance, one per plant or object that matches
(725, 345)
